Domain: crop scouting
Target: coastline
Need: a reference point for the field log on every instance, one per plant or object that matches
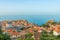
(36, 19)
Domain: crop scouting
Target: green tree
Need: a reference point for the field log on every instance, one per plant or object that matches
(29, 35)
(4, 36)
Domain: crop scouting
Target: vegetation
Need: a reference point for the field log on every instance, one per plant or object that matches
(29, 35)
(45, 36)
(4, 36)
(29, 39)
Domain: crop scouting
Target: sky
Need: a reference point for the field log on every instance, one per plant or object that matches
(29, 7)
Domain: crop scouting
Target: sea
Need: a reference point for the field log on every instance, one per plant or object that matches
(36, 19)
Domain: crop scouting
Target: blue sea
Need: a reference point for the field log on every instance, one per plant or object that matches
(36, 19)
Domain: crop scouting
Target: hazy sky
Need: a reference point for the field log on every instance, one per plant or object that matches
(29, 7)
